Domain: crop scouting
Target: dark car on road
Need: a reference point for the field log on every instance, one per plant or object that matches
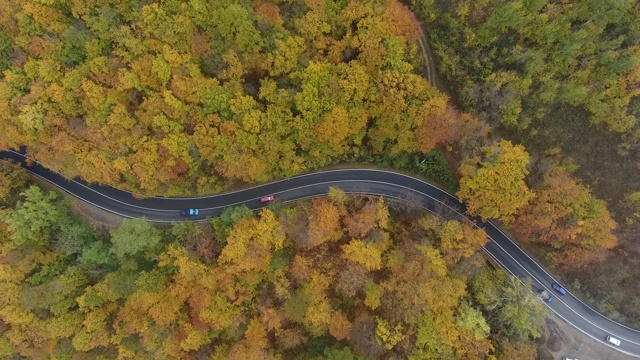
(189, 212)
(559, 289)
(545, 295)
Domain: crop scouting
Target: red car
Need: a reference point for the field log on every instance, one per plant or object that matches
(267, 198)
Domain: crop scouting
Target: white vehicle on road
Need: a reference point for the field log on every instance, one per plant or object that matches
(613, 341)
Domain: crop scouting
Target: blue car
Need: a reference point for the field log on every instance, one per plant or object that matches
(189, 212)
(559, 289)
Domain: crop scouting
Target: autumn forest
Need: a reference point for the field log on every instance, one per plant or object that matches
(186, 98)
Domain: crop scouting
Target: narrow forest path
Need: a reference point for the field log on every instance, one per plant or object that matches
(572, 338)
(433, 77)
(427, 54)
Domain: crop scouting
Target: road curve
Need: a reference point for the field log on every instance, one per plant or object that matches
(364, 181)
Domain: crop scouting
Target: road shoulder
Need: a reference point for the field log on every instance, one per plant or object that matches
(562, 339)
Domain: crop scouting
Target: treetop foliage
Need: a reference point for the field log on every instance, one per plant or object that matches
(565, 216)
(511, 61)
(173, 98)
(369, 287)
(493, 185)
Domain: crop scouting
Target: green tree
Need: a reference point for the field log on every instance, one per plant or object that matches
(232, 215)
(74, 49)
(236, 29)
(372, 292)
(472, 319)
(574, 53)
(285, 57)
(36, 219)
(95, 255)
(73, 238)
(430, 342)
(632, 205)
(6, 48)
(513, 309)
(337, 354)
(337, 195)
(135, 237)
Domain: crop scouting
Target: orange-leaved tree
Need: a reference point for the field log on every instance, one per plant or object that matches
(567, 217)
(324, 222)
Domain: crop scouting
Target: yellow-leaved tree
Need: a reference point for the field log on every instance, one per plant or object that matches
(493, 185)
(250, 244)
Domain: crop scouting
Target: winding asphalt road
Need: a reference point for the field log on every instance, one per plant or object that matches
(362, 181)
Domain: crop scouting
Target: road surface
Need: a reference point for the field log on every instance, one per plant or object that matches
(363, 181)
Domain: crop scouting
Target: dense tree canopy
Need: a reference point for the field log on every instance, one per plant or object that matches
(35, 220)
(135, 237)
(563, 79)
(369, 286)
(511, 60)
(12, 178)
(565, 216)
(175, 98)
(511, 307)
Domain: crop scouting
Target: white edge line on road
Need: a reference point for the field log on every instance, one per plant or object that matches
(388, 196)
(507, 270)
(516, 261)
(78, 197)
(551, 276)
(555, 312)
(496, 243)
